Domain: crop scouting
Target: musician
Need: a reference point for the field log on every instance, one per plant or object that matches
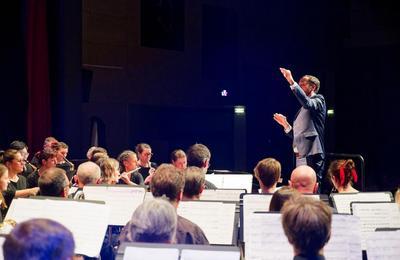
(61, 150)
(128, 166)
(47, 159)
(144, 155)
(39, 239)
(178, 159)
(22, 148)
(16, 187)
(48, 142)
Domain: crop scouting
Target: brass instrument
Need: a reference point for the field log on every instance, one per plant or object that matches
(30, 164)
(71, 165)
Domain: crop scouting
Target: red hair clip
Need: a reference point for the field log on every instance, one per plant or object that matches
(341, 175)
(354, 174)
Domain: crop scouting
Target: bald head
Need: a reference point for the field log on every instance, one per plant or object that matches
(88, 173)
(304, 179)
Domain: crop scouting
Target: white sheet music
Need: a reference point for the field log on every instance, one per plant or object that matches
(376, 215)
(77, 216)
(342, 201)
(216, 219)
(122, 199)
(251, 203)
(345, 241)
(192, 254)
(383, 245)
(266, 239)
(266, 229)
(231, 181)
(222, 195)
(140, 253)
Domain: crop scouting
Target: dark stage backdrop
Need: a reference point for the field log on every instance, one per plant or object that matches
(236, 45)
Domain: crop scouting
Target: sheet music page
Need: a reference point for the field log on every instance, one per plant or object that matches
(266, 229)
(266, 239)
(216, 219)
(22, 209)
(77, 216)
(140, 253)
(216, 179)
(252, 203)
(192, 254)
(238, 181)
(345, 241)
(231, 181)
(222, 195)
(376, 215)
(383, 245)
(354, 224)
(122, 200)
(342, 201)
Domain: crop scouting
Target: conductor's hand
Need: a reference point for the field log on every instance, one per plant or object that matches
(288, 75)
(281, 119)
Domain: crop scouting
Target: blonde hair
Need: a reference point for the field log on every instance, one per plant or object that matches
(109, 167)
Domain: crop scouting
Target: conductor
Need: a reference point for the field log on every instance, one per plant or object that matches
(307, 131)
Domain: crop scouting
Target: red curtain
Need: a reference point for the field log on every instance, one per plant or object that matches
(39, 107)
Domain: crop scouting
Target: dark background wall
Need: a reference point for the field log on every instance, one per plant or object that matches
(153, 71)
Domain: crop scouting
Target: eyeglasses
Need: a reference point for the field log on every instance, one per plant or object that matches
(19, 161)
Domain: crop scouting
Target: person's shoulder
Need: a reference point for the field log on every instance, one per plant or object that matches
(153, 165)
(32, 179)
(32, 175)
(318, 96)
(188, 224)
(210, 186)
(189, 232)
(21, 183)
(21, 178)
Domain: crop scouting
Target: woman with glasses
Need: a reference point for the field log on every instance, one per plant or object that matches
(23, 149)
(147, 168)
(16, 187)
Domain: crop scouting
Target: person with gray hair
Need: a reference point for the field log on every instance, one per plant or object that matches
(154, 221)
(54, 182)
(87, 173)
